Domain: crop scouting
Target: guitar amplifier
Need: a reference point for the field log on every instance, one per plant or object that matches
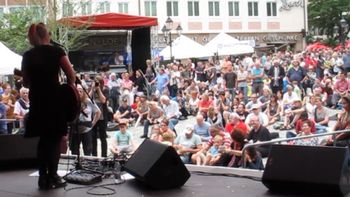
(83, 177)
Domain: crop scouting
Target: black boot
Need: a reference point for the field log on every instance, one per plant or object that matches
(43, 182)
(56, 181)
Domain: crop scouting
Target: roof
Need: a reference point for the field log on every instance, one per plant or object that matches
(110, 21)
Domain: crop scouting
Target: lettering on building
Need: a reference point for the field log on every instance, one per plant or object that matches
(288, 5)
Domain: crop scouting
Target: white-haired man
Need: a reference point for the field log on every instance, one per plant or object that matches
(171, 111)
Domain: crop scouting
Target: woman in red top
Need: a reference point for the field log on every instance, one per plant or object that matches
(204, 104)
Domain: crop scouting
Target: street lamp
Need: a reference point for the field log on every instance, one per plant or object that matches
(167, 28)
(342, 30)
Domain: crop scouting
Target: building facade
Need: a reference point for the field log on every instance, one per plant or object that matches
(274, 23)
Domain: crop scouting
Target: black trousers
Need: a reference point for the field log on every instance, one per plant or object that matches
(85, 139)
(99, 130)
(48, 153)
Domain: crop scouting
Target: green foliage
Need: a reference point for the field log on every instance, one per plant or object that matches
(325, 14)
(14, 26)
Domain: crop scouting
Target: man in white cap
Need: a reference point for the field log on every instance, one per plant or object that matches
(187, 143)
(256, 111)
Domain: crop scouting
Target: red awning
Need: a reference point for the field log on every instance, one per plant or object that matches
(110, 21)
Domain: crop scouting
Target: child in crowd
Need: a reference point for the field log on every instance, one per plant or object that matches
(213, 154)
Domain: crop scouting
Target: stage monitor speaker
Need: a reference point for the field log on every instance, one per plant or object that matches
(157, 166)
(17, 151)
(307, 169)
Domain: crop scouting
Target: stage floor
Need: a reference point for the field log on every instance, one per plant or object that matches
(17, 183)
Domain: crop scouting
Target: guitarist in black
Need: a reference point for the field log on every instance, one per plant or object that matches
(46, 119)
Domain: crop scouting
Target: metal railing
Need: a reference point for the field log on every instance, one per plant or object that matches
(334, 133)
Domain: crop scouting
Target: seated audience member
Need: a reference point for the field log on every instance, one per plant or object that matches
(201, 128)
(241, 111)
(204, 104)
(298, 125)
(212, 155)
(320, 116)
(236, 123)
(259, 133)
(215, 130)
(232, 157)
(273, 110)
(253, 101)
(182, 105)
(214, 117)
(123, 114)
(141, 110)
(123, 142)
(253, 159)
(171, 111)
(305, 130)
(256, 111)
(154, 116)
(293, 114)
(223, 103)
(168, 138)
(163, 128)
(186, 144)
(192, 105)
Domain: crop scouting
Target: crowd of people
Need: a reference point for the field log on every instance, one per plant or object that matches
(234, 101)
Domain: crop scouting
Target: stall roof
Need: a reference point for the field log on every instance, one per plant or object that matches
(110, 21)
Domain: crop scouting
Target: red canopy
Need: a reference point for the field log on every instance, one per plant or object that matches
(110, 21)
(316, 47)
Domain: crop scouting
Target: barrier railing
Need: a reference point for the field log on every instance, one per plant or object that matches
(334, 133)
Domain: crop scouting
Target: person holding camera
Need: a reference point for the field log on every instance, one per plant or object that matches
(99, 92)
(81, 133)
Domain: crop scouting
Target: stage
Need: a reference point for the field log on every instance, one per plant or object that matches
(234, 182)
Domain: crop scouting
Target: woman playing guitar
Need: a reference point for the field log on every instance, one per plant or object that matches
(46, 119)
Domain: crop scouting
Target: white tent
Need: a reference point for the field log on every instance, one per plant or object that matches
(9, 60)
(184, 47)
(224, 44)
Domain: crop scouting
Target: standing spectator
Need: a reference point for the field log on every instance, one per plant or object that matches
(346, 60)
(99, 92)
(276, 75)
(199, 70)
(9, 100)
(187, 144)
(174, 81)
(242, 85)
(257, 75)
(88, 118)
(162, 80)
(296, 73)
(22, 105)
(3, 124)
(259, 133)
(230, 81)
(140, 83)
(149, 71)
(171, 111)
(114, 86)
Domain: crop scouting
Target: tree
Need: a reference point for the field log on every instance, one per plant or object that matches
(14, 27)
(325, 14)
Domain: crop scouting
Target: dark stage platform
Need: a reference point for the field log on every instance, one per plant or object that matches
(17, 183)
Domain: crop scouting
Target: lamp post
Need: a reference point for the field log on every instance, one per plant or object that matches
(167, 28)
(342, 30)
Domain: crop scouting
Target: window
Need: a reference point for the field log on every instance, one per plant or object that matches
(271, 9)
(86, 8)
(233, 8)
(123, 8)
(67, 9)
(15, 9)
(1, 12)
(172, 8)
(39, 12)
(150, 8)
(253, 9)
(193, 8)
(214, 9)
(104, 7)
